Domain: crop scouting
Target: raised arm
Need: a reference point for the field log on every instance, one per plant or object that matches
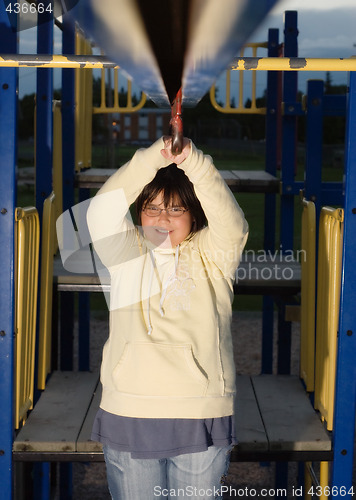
(227, 230)
(109, 221)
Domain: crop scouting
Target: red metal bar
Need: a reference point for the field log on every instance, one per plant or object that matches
(177, 124)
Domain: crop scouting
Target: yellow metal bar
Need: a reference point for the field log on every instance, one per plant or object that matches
(26, 279)
(55, 61)
(102, 93)
(129, 94)
(239, 63)
(83, 108)
(307, 334)
(228, 90)
(293, 64)
(45, 319)
(308, 482)
(88, 119)
(79, 101)
(241, 85)
(116, 88)
(324, 481)
(328, 297)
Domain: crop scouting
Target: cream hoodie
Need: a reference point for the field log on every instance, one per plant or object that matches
(169, 351)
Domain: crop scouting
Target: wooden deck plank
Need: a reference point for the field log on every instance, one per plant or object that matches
(84, 443)
(261, 273)
(290, 421)
(55, 422)
(250, 431)
(230, 177)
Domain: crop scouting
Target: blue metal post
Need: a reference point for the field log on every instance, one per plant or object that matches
(44, 120)
(272, 119)
(8, 148)
(314, 144)
(289, 155)
(43, 161)
(84, 314)
(289, 151)
(68, 156)
(345, 397)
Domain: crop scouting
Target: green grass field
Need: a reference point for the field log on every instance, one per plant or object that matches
(251, 203)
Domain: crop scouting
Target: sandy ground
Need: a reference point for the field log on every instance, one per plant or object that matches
(247, 480)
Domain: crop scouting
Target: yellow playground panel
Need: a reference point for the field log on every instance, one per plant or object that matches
(27, 236)
(328, 293)
(307, 327)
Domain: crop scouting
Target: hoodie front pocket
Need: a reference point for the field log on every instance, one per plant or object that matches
(153, 369)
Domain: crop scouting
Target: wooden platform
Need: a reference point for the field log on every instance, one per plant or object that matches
(274, 421)
(249, 181)
(257, 274)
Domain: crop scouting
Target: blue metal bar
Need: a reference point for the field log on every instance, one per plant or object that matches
(345, 396)
(43, 162)
(289, 151)
(8, 148)
(44, 121)
(314, 144)
(272, 152)
(68, 156)
(84, 314)
(329, 191)
(289, 155)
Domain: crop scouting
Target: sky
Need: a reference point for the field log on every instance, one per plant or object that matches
(324, 31)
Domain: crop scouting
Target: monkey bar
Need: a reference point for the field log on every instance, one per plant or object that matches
(238, 64)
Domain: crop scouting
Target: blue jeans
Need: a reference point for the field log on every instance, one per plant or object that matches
(194, 475)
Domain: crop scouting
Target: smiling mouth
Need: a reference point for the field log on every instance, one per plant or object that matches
(163, 231)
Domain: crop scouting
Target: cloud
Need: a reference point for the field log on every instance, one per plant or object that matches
(322, 33)
(318, 5)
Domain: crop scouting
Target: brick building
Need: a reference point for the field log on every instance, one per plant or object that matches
(145, 125)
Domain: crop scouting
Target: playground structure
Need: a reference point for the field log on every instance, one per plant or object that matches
(337, 446)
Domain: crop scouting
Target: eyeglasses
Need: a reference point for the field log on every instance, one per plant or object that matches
(153, 211)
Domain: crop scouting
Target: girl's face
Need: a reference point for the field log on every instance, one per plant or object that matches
(164, 230)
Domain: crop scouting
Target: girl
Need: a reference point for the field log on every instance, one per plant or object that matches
(168, 376)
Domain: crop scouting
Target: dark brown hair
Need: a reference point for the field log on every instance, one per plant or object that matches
(176, 188)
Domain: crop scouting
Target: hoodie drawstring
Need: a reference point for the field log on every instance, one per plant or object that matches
(169, 280)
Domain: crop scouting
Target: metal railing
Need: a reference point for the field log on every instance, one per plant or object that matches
(27, 237)
(48, 248)
(240, 108)
(84, 107)
(322, 351)
(307, 327)
(115, 107)
(238, 64)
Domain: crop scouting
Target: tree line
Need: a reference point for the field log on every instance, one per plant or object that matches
(202, 121)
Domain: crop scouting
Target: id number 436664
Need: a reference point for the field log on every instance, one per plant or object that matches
(25, 8)
(331, 491)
